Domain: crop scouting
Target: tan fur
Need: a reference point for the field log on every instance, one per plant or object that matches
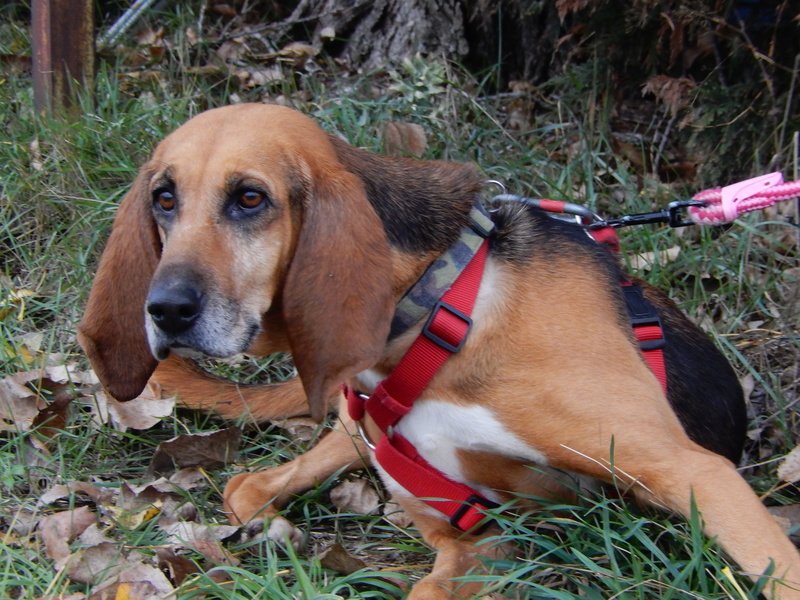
(324, 282)
(199, 390)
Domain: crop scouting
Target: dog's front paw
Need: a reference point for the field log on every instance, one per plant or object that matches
(278, 530)
(283, 532)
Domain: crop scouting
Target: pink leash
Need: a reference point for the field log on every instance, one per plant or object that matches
(723, 205)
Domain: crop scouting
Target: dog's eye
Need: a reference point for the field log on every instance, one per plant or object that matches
(250, 199)
(164, 200)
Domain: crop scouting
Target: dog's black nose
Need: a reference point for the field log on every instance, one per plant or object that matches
(174, 308)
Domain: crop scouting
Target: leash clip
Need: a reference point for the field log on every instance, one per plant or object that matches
(672, 215)
(675, 212)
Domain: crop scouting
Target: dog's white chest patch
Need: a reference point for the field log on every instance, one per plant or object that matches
(438, 429)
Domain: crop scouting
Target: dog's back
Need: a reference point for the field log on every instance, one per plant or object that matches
(702, 387)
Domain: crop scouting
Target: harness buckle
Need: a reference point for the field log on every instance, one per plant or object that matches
(470, 512)
(642, 314)
(458, 338)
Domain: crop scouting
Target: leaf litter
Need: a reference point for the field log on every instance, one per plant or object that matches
(80, 526)
(80, 539)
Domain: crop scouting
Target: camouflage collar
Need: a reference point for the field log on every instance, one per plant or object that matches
(438, 278)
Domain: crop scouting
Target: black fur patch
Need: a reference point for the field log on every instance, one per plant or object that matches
(422, 204)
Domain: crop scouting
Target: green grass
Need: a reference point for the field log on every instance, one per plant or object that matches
(59, 189)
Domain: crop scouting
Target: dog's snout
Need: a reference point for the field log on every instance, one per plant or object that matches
(175, 308)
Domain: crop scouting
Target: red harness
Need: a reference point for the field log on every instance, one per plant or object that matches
(444, 334)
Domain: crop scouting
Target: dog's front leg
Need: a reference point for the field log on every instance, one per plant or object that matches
(252, 496)
(197, 389)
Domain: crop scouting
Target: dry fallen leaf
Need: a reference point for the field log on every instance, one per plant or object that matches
(94, 536)
(23, 405)
(192, 36)
(646, 260)
(748, 383)
(75, 596)
(207, 450)
(138, 504)
(674, 93)
(59, 491)
(191, 533)
(142, 412)
(19, 405)
(789, 469)
(395, 514)
(59, 529)
(404, 139)
(297, 54)
(519, 110)
(355, 496)
(178, 567)
(51, 421)
(787, 516)
(136, 497)
(190, 478)
(21, 520)
(251, 77)
(15, 301)
(97, 565)
(336, 558)
(224, 9)
(138, 581)
(232, 51)
(205, 539)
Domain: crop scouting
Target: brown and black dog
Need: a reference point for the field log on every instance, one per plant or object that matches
(253, 230)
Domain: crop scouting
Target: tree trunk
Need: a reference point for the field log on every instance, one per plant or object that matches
(375, 33)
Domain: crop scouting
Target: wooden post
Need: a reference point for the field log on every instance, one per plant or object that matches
(63, 52)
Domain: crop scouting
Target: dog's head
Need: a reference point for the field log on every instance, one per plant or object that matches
(244, 231)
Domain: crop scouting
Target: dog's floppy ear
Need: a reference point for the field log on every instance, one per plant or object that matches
(112, 331)
(338, 295)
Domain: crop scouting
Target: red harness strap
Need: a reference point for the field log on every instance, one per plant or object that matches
(443, 334)
(643, 317)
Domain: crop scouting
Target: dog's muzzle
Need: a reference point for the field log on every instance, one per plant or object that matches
(175, 308)
(185, 315)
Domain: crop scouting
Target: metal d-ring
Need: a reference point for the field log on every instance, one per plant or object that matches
(365, 436)
(499, 184)
(362, 432)
(360, 428)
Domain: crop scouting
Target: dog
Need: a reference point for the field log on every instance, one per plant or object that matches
(253, 230)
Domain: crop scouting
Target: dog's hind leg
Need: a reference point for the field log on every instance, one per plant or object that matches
(730, 512)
